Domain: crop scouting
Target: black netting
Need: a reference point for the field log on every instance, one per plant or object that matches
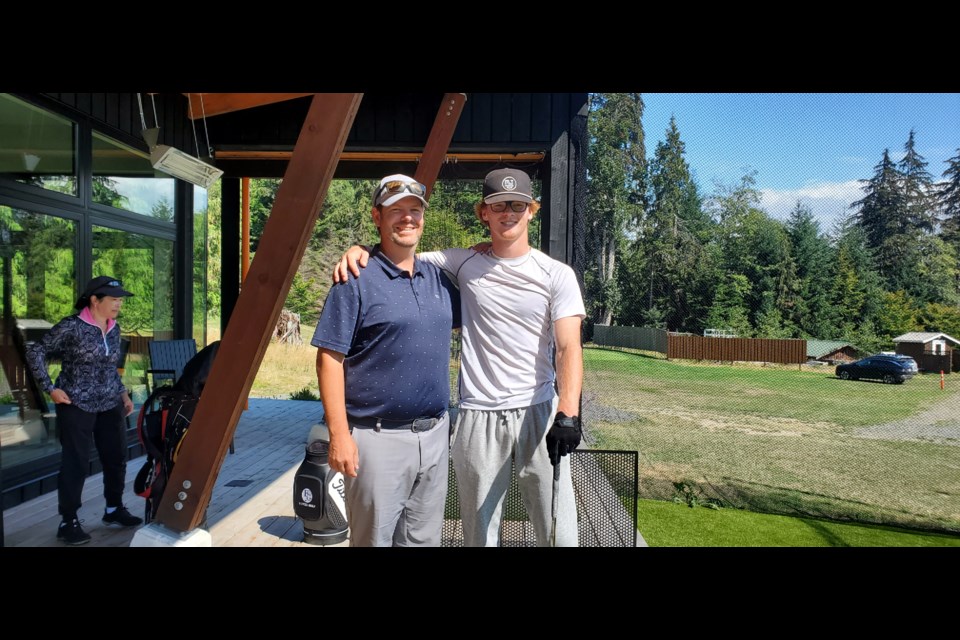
(605, 484)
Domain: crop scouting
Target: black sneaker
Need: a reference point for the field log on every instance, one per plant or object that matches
(121, 518)
(71, 533)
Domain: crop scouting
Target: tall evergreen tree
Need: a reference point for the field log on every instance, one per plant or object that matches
(949, 201)
(672, 233)
(615, 169)
(263, 193)
(729, 309)
(917, 191)
(856, 291)
(754, 245)
(811, 254)
(878, 213)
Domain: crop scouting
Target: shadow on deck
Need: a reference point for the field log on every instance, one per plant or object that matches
(252, 504)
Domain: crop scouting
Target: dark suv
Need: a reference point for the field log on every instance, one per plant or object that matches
(892, 369)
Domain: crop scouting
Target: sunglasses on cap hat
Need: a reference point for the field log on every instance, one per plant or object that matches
(515, 205)
(400, 186)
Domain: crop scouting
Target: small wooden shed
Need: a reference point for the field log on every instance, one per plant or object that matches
(933, 352)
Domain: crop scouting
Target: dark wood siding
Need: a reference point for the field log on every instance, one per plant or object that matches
(500, 111)
(912, 349)
(520, 118)
(119, 112)
(926, 359)
(931, 363)
(477, 109)
(506, 121)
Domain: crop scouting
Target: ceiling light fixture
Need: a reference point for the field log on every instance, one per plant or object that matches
(30, 161)
(174, 162)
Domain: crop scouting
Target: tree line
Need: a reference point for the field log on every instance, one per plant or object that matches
(662, 253)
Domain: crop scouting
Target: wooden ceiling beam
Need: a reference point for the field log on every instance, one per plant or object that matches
(245, 340)
(438, 142)
(215, 104)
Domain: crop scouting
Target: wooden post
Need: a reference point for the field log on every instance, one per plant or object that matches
(281, 247)
(244, 249)
(435, 150)
(244, 228)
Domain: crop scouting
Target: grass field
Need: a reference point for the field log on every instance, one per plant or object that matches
(768, 439)
(287, 368)
(666, 524)
(774, 438)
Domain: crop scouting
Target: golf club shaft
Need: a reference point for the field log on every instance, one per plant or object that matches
(553, 506)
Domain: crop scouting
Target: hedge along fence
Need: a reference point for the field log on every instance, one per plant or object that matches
(643, 338)
(687, 347)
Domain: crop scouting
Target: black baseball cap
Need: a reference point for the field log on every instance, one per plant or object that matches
(105, 286)
(502, 185)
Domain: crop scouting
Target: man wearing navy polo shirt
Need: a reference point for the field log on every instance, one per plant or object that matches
(383, 362)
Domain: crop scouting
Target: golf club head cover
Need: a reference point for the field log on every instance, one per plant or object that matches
(563, 437)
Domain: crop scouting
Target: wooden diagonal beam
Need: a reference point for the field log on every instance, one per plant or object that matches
(438, 142)
(245, 340)
(216, 103)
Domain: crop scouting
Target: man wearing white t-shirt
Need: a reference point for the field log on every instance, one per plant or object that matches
(520, 309)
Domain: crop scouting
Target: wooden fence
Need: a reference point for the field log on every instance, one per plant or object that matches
(688, 347)
(737, 349)
(933, 363)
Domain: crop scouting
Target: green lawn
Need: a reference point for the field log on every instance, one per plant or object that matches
(776, 391)
(774, 439)
(666, 524)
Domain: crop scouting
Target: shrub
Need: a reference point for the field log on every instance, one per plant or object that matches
(304, 394)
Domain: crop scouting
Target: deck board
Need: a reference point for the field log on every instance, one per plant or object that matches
(270, 441)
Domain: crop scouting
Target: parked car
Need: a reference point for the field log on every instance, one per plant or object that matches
(908, 360)
(892, 369)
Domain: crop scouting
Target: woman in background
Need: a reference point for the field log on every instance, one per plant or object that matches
(91, 402)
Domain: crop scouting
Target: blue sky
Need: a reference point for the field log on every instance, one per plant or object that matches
(811, 146)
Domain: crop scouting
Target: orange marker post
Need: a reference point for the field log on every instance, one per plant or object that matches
(941, 379)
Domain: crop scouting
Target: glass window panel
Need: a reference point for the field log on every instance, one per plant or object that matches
(200, 217)
(124, 178)
(145, 265)
(37, 289)
(36, 146)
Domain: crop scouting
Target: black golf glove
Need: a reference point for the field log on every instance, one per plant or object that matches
(563, 437)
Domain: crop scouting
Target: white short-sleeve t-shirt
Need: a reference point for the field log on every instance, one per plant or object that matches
(508, 306)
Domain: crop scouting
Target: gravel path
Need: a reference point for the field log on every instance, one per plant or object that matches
(939, 424)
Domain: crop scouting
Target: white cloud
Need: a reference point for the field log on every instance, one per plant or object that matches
(829, 201)
(143, 193)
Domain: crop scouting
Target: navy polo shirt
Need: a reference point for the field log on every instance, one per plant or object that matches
(394, 331)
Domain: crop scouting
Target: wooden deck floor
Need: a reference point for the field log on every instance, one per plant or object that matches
(252, 503)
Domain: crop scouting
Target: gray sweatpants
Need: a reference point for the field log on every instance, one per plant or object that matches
(400, 491)
(483, 444)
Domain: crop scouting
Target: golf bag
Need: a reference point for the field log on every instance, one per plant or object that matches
(163, 423)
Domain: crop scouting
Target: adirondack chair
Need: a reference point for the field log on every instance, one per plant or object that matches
(167, 359)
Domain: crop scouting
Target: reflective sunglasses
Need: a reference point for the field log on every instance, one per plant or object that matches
(516, 206)
(399, 186)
